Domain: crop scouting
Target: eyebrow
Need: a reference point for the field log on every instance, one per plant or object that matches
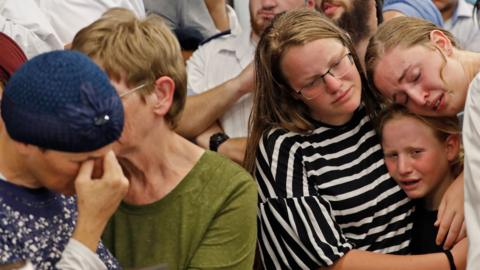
(404, 73)
(334, 59)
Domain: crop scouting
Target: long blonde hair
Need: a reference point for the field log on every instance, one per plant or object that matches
(274, 103)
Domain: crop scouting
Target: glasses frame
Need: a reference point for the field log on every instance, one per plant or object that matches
(135, 89)
(322, 77)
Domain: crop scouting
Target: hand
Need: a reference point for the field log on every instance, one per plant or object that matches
(246, 79)
(98, 199)
(451, 216)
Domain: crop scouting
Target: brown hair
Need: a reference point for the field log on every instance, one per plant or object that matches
(442, 127)
(402, 31)
(137, 50)
(274, 104)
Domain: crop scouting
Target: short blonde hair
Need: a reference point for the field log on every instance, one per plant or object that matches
(137, 50)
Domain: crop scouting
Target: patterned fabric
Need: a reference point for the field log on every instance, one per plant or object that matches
(325, 193)
(36, 224)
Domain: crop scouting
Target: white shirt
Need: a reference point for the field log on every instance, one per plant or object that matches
(218, 61)
(471, 141)
(67, 17)
(26, 23)
(464, 26)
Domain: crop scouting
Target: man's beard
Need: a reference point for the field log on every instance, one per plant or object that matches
(356, 20)
(258, 28)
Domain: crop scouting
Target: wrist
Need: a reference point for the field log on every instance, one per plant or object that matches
(216, 140)
(88, 232)
(451, 261)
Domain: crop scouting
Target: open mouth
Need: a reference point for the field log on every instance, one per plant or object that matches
(438, 102)
(329, 9)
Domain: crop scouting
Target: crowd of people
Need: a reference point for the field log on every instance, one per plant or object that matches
(330, 134)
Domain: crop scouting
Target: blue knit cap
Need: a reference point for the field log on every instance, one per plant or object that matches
(423, 9)
(62, 101)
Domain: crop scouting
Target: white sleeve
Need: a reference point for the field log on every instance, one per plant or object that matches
(471, 140)
(77, 256)
(25, 23)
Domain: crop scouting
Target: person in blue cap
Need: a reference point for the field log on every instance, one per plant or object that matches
(60, 115)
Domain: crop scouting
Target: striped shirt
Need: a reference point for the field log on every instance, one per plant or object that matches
(325, 193)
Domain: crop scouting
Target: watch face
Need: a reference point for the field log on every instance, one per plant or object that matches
(216, 140)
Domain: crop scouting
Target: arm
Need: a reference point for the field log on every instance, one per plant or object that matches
(231, 237)
(451, 216)
(202, 110)
(97, 199)
(77, 256)
(364, 260)
(218, 12)
(233, 148)
(471, 134)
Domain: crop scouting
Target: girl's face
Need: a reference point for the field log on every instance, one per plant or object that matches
(323, 75)
(416, 159)
(427, 80)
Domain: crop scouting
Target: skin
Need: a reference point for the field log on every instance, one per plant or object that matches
(411, 76)
(333, 8)
(417, 160)
(446, 7)
(340, 97)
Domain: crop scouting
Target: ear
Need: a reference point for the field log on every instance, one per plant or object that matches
(441, 41)
(25, 148)
(452, 146)
(163, 95)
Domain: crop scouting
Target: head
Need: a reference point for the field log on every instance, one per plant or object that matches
(413, 62)
(354, 16)
(142, 55)
(293, 86)
(263, 11)
(422, 153)
(59, 110)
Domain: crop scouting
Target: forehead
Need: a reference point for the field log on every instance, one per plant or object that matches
(391, 65)
(60, 155)
(409, 128)
(308, 57)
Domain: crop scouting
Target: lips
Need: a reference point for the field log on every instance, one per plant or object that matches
(408, 185)
(329, 9)
(438, 103)
(342, 96)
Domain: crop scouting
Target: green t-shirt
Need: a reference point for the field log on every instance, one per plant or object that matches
(207, 222)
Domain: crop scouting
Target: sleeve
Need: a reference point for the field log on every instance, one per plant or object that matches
(231, 238)
(76, 256)
(471, 137)
(296, 227)
(25, 22)
(196, 79)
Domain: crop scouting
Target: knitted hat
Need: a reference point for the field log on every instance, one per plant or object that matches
(423, 9)
(63, 101)
(11, 57)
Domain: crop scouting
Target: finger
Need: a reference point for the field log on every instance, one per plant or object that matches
(441, 211)
(111, 167)
(85, 171)
(453, 232)
(444, 226)
(462, 234)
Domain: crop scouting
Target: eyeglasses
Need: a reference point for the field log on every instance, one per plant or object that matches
(337, 70)
(132, 90)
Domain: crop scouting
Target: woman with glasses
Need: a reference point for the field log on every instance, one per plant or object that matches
(326, 199)
(415, 63)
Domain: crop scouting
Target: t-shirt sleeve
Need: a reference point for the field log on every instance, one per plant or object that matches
(296, 226)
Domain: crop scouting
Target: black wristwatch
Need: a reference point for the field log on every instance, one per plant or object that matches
(216, 140)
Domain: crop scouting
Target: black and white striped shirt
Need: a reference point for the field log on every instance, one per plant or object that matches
(325, 193)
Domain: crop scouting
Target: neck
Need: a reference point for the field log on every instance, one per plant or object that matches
(470, 62)
(157, 166)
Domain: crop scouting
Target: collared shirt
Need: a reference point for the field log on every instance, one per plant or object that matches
(464, 26)
(218, 61)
